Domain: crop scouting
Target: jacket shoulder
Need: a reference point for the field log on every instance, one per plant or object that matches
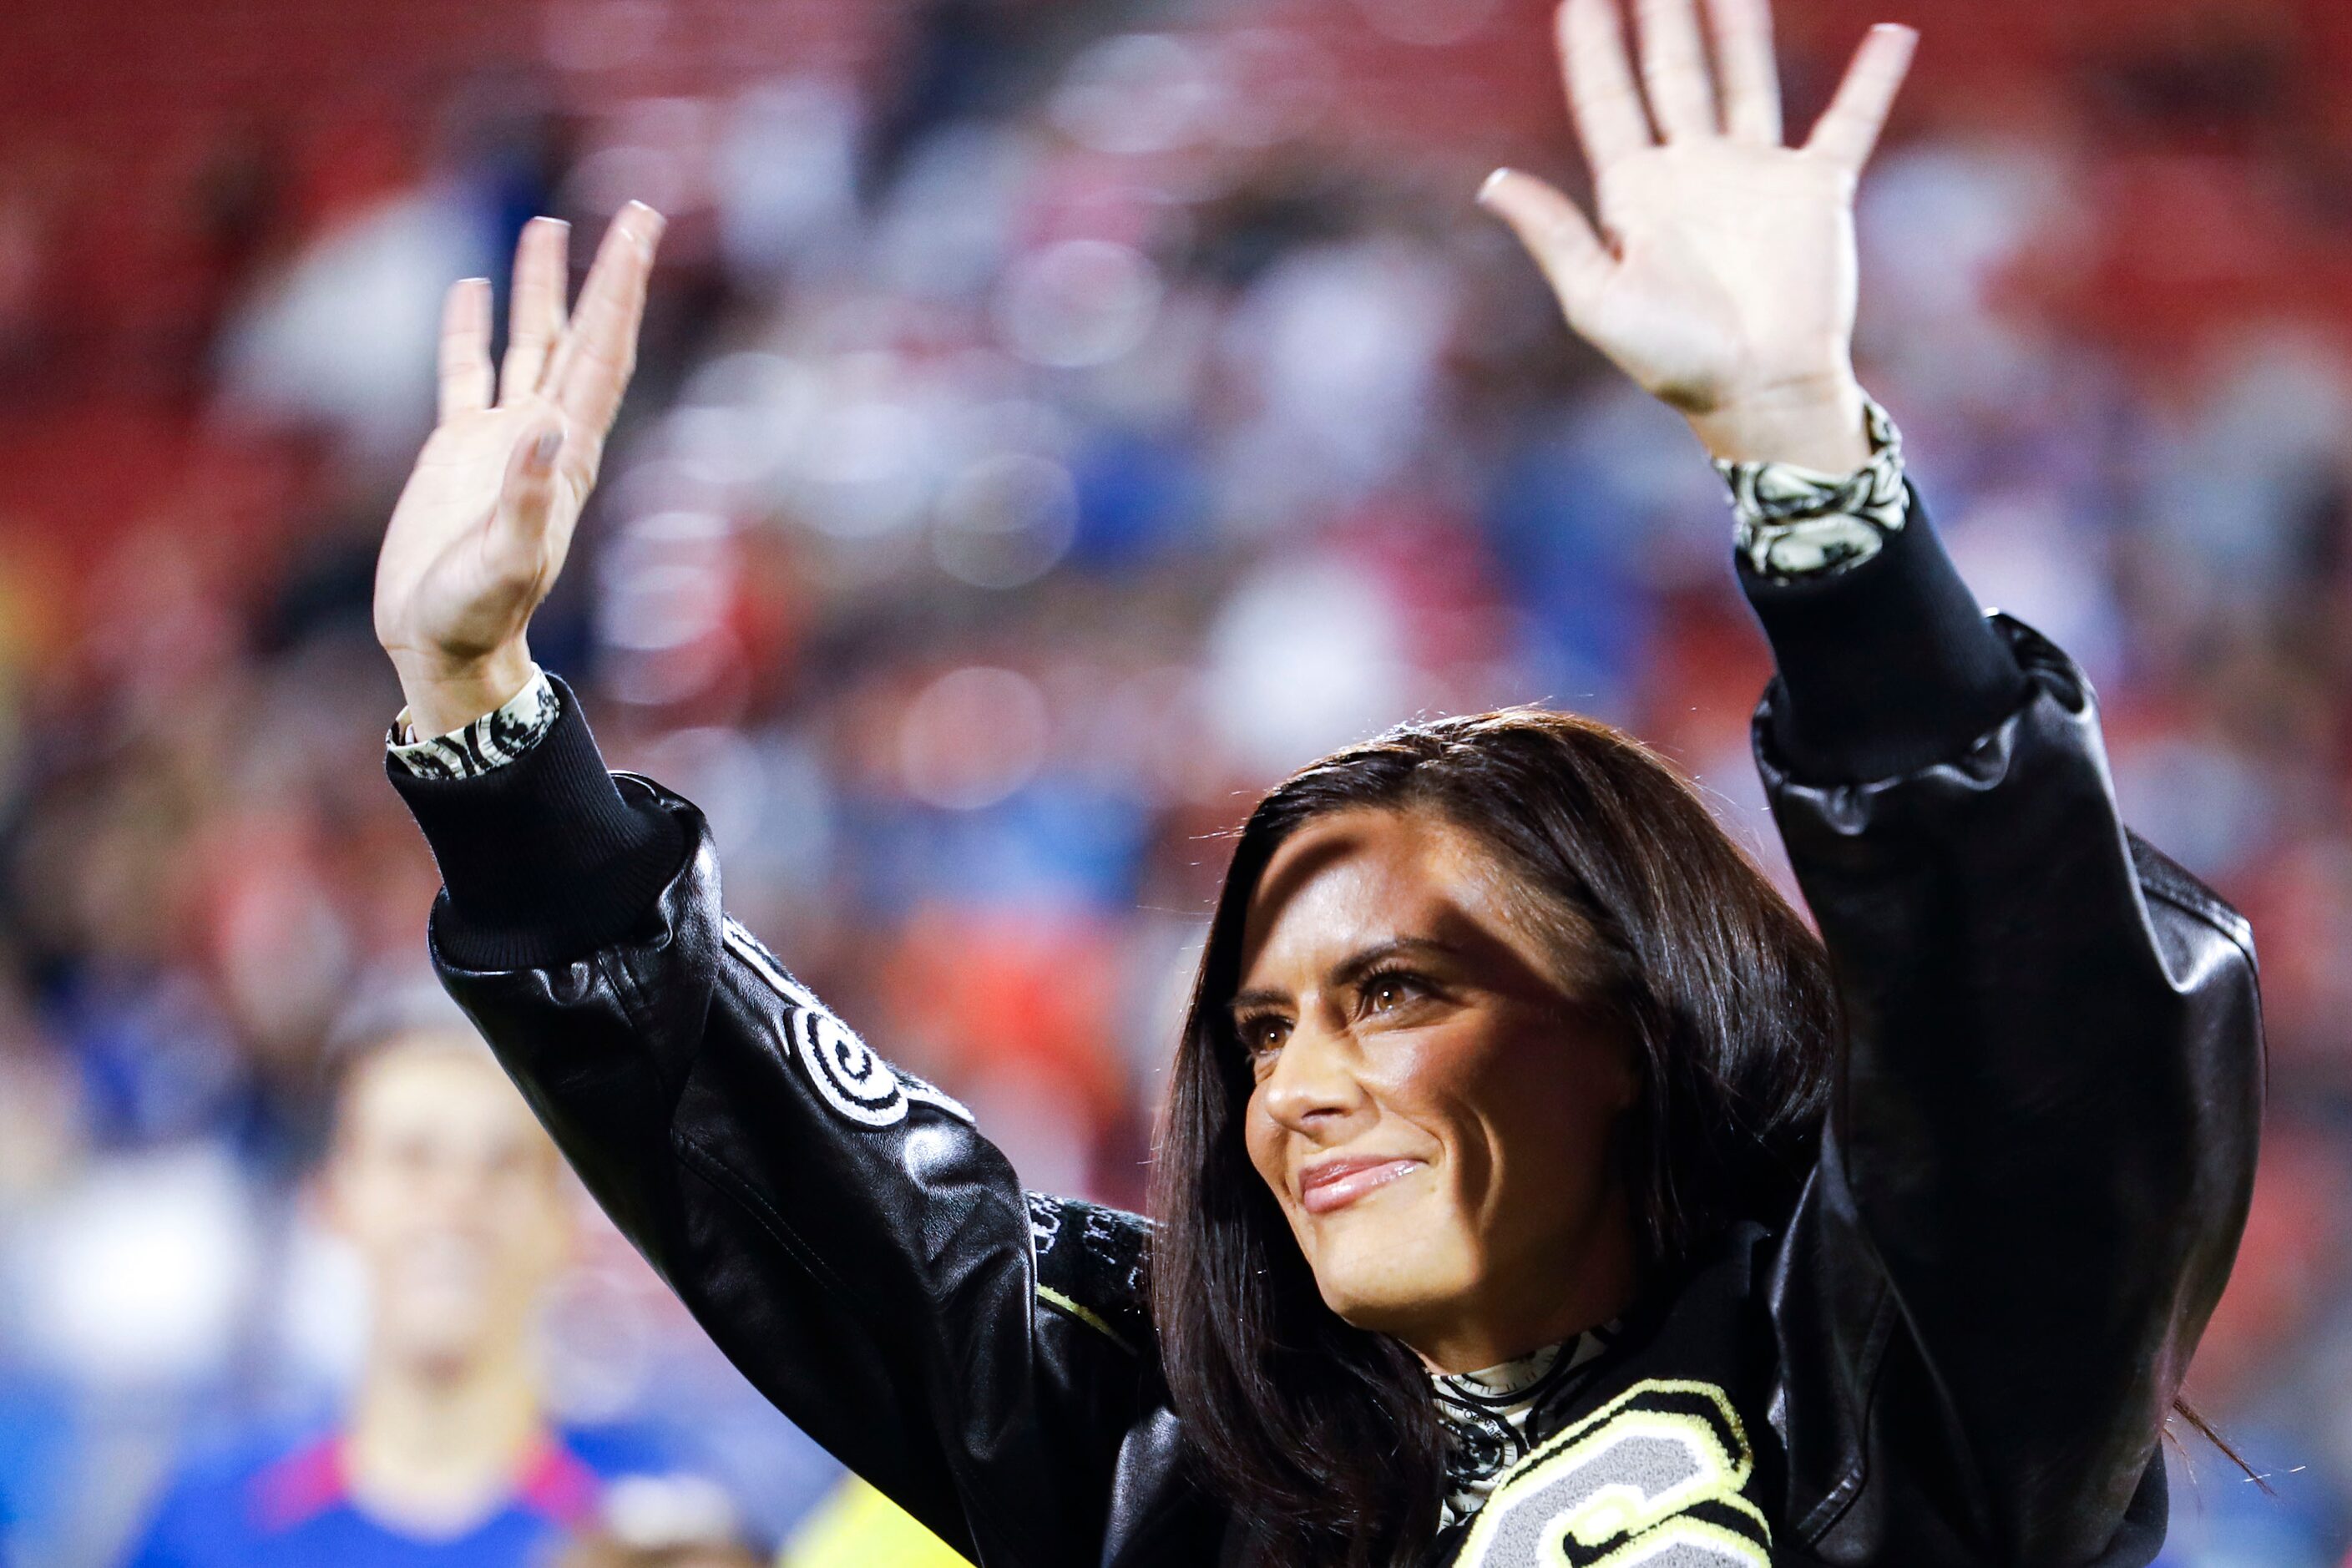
(1092, 1267)
(2163, 880)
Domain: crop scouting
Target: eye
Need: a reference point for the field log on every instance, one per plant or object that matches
(1390, 990)
(1262, 1035)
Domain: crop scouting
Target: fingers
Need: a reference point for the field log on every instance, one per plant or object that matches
(599, 350)
(1556, 233)
(1849, 128)
(1673, 69)
(1607, 106)
(535, 321)
(527, 497)
(466, 348)
(1752, 82)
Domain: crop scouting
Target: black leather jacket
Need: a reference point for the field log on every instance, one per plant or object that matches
(1958, 1349)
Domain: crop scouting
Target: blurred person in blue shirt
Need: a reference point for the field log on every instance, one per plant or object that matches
(457, 1207)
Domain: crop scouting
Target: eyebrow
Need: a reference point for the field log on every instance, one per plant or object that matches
(1350, 969)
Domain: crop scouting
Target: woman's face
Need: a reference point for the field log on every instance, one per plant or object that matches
(1435, 1114)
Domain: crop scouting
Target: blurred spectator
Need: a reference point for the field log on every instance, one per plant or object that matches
(458, 1207)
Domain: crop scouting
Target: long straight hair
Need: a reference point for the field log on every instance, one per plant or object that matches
(1322, 1435)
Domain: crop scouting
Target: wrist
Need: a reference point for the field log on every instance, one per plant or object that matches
(1816, 423)
(446, 694)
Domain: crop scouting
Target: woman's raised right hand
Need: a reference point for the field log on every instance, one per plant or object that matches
(486, 520)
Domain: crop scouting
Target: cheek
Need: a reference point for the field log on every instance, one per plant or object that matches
(1262, 1136)
(1444, 1080)
(369, 1208)
(1555, 1104)
(1513, 1093)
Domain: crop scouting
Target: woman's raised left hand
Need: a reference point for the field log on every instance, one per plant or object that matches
(1726, 282)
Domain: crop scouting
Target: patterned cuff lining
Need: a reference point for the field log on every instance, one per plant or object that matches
(1799, 522)
(490, 742)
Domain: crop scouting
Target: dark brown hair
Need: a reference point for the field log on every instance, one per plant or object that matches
(1321, 1433)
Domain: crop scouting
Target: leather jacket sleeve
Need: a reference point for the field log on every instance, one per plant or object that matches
(842, 1231)
(2040, 1152)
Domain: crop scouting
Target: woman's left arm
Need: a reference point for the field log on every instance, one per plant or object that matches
(2042, 1140)
(2042, 1144)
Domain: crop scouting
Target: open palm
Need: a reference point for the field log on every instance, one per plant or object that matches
(1727, 274)
(483, 526)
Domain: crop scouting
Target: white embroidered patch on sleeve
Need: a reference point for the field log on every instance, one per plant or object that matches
(847, 1072)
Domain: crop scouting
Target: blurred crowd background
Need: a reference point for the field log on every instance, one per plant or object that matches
(1056, 419)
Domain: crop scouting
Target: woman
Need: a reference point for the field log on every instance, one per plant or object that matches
(1535, 1188)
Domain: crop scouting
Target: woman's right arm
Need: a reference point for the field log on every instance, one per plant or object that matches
(843, 1231)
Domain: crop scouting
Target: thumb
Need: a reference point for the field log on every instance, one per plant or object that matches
(527, 494)
(1556, 233)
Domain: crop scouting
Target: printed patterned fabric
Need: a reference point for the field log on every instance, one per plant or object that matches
(1799, 522)
(490, 742)
(1495, 1418)
(1091, 1268)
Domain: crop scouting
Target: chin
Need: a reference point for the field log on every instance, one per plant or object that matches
(1385, 1283)
(1400, 1315)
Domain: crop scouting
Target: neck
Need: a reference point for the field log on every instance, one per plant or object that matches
(435, 1446)
(1477, 1348)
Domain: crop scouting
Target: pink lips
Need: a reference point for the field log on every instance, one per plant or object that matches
(1334, 1184)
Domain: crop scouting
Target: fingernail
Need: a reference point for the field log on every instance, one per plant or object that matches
(543, 451)
(1492, 179)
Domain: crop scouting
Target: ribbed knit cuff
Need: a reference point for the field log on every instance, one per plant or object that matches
(541, 860)
(1885, 668)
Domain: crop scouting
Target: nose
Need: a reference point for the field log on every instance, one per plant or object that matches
(1313, 1089)
(448, 1189)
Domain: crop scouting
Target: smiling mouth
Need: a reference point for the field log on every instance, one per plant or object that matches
(1336, 1185)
